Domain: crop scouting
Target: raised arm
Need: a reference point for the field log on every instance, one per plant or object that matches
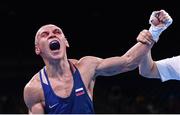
(128, 61)
(148, 67)
(159, 21)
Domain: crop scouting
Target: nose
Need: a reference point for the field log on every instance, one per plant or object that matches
(52, 36)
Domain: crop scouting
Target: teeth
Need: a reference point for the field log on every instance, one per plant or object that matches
(54, 45)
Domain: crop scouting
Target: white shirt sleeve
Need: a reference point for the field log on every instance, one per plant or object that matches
(169, 68)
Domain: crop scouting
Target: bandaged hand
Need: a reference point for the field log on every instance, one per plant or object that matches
(159, 20)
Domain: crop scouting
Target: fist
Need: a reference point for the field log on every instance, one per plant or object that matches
(160, 18)
(154, 20)
(145, 37)
(160, 21)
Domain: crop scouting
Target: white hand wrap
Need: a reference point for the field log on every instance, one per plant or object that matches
(157, 30)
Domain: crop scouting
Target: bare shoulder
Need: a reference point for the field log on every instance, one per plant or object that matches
(90, 60)
(88, 63)
(32, 91)
(86, 60)
(74, 61)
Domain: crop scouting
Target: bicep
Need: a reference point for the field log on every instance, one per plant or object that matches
(154, 72)
(33, 102)
(36, 109)
(105, 67)
(34, 106)
(112, 66)
(148, 67)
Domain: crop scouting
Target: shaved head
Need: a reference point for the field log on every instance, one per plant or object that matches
(44, 27)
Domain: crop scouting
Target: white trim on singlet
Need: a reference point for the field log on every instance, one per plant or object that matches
(44, 80)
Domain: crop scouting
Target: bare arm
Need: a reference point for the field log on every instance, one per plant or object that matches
(159, 21)
(129, 61)
(148, 68)
(36, 109)
(32, 99)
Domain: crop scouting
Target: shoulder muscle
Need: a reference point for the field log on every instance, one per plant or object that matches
(32, 87)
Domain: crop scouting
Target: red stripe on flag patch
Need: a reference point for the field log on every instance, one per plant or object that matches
(79, 91)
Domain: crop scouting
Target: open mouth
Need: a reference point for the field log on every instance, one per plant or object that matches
(54, 45)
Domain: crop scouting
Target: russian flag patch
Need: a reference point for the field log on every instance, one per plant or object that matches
(79, 91)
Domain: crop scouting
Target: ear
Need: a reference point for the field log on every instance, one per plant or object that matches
(66, 42)
(37, 50)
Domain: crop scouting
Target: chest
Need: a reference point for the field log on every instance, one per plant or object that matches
(62, 87)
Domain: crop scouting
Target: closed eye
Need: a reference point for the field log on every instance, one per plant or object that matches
(57, 31)
(44, 34)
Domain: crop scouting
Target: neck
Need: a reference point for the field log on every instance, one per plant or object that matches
(56, 68)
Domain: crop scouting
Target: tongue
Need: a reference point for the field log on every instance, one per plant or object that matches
(54, 45)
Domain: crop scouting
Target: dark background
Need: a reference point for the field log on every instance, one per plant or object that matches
(98, 28)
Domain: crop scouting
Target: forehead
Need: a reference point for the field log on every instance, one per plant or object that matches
(48, 27)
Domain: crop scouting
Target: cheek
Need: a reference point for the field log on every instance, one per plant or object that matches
(43, 45)
(63, 45)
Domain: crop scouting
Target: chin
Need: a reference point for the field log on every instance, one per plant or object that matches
(57, 57)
